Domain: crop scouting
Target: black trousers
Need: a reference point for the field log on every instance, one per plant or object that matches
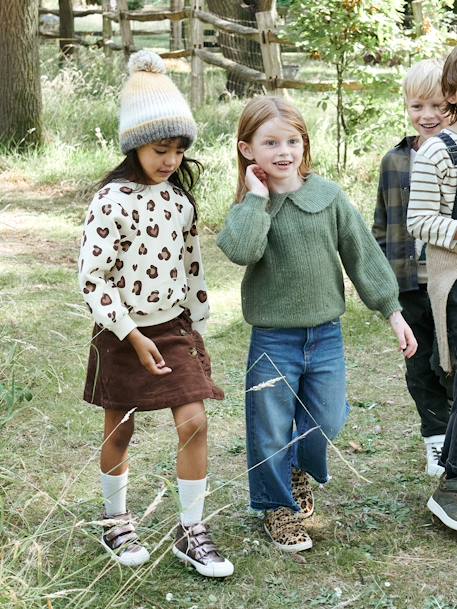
(449, 453)
(430, 391)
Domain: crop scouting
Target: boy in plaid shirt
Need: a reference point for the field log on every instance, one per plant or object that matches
(424, 101)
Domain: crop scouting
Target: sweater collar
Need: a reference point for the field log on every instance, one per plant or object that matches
(313, 196)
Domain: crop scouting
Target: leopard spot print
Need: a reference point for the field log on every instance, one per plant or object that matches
(153, 231)
(89, 287)
(103, 232)
(202, 296)
(194, 268)
(105, 300)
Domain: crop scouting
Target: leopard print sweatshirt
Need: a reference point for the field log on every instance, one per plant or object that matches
(140, 261)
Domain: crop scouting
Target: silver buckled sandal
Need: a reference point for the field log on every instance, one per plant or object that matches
(121, 540)
(195, 547)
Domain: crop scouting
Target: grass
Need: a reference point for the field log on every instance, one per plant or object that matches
(375, 544)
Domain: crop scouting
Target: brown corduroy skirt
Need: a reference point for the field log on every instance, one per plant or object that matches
(117, 380)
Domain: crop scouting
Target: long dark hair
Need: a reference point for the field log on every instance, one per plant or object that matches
(185, 177)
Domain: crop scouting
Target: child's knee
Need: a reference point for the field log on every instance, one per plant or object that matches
(120, 437)
(195, 426)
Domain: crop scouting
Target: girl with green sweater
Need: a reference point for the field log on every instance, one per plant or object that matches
(291, 228)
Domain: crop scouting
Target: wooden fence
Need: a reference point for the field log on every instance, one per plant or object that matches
(265, 34)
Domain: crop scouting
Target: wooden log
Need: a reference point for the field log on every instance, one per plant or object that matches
(107, 28)
(197, 83)
(248, 74)
(176, 54)
(318, 86)
(124, 27)
(418, 16)
(176, 33)
(66, 30)
(271, 51)
(76, 12)
(228, 26)
(157, 15)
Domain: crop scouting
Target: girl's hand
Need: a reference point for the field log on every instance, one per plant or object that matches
(148, 354)
(406, 338)
(256, 181)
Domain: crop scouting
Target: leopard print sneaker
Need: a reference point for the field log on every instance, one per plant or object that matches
(287, 530)
(302, 492)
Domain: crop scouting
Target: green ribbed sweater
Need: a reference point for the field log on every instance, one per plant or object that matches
(293, 245)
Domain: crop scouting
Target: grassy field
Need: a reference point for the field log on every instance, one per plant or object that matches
(375, 545)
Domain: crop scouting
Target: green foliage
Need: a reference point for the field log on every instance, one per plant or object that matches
(11, 394)
(342, 32)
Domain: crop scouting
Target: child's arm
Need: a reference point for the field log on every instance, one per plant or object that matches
(99, 246)
(370, 272)
(147, 353)
(244, 236)
(406, 339)
(197, 298)
(425, 220)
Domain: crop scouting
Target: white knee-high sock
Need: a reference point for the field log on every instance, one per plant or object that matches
(115, 493)
(192, 498)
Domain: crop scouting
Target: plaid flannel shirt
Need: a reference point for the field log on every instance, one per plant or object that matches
(389, 226)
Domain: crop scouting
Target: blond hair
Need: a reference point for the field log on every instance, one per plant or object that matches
(257, 112)
(423, 80)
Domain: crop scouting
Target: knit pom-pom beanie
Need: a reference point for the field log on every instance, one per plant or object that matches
(152, 107)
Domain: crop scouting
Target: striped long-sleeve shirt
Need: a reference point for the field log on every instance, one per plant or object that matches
(432, 195)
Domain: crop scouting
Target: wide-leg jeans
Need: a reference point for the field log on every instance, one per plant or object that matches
(312, 395)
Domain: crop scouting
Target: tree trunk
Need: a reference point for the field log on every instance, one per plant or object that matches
(20, 91)
(66, 30)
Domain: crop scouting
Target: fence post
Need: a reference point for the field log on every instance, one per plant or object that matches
(176, 38)
(107, 28)
(418, 16)
(124, 27)
(197, 83)
(66, 30)
(267, 20)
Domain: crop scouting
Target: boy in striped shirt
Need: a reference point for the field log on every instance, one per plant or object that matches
(432, 218)
(424, 102)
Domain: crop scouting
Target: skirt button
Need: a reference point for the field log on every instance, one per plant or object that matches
(183, 332)
(193, 352)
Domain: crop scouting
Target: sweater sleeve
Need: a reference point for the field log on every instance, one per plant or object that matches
(245, 234)
(425, 220)
(197, 297)
(379, 228)
(99, 247)
(364, 262)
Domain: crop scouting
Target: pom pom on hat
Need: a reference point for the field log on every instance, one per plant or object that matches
(146, 61)
(152, 107)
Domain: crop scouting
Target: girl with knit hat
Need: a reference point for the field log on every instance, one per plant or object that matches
(292, 229)
(141, 275)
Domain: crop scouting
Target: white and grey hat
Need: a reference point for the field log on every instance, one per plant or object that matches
(152, 107)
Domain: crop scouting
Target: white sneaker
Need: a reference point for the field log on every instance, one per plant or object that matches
(434, 446)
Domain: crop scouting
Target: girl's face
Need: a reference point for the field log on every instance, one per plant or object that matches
(160, 159)
(277, 148)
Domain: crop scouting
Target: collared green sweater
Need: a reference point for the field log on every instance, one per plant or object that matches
(293, 245)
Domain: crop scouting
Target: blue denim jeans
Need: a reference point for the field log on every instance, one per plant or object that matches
(312, 361)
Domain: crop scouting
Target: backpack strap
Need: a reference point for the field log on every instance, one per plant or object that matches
(452, 150)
